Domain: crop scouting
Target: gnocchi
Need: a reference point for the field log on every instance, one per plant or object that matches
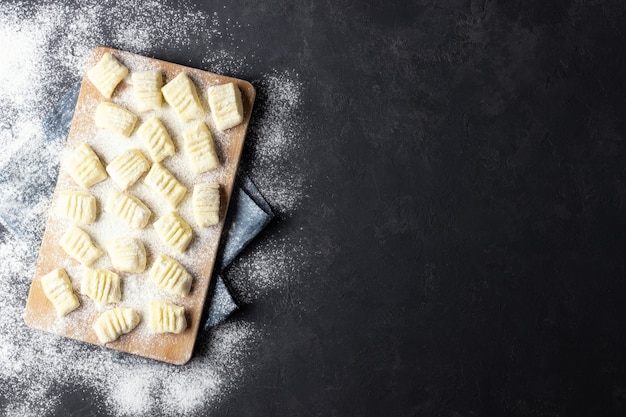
(101, 285)
(206, 204)
(226, 106)
(78, 244)
(127, 254)
(181, 94)
(168, 274)
(84, 166)
(107, 74)
(115, 322)
(143, 244)
(157, 140)
(57, 287)
(147, 87)
(165, 184)
(200, 149)
(173, 231)
(166, 317)
(127, 168)
(110, 116)
(128, 208)
(77, 206)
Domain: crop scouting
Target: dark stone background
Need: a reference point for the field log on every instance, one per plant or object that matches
(465, 210)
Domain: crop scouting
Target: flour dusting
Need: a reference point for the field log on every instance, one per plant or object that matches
(275, 137)
(44, 50)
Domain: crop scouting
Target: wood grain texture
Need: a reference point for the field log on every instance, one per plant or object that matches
(172, 348)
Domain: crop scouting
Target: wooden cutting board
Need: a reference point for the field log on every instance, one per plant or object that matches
(137, 289)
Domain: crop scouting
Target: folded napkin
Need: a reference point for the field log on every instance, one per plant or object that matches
(28, 178)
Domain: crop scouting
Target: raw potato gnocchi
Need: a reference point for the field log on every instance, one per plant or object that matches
(157, 140)
(147, 87)
(165, 184)
(206, 204)
(181, 94)
(127, 254)
(174, 231)
(167, 273)
(127, 168)
(173, 147)
(84, 166)
(128, 208)
(101, 285)
(115, 322)
(107, 74)
(77, 206)
(78, 244)
(117, 119)
(200, 149)
(226, 106)
(57, 287)
(166, 317)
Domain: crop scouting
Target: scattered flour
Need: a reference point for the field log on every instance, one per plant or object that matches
(275, 136)
(43, 49)
(273, 266)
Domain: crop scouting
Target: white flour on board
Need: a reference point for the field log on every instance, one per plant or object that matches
(43, 50)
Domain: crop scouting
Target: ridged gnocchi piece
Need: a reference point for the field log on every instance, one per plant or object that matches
(157, 140)
(78, 244)
(206, 204)
(165, 184)
(84, 166)
(173, 231)
(200, 149)
(57, 287)
(168, 274)
(127, 254)
(128, 208)
(226, 106)
(101, 285)
(107, 74)
(115, 322)
(117, 119)
(77, 206)
(166, 317)
(181, 94)
(147, 87)
(128, 167)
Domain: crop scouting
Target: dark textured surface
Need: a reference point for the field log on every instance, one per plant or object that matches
(467, 192)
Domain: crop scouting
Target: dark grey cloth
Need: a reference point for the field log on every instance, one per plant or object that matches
(28, 178)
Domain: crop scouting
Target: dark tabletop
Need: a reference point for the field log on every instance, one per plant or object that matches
(462, 217)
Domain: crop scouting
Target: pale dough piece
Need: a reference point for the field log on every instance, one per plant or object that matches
(166, 317)
(127, 254)
(168, 274)
(77, 206)
(84, 166)
(147, 87)
(206, 204)
(226, 106)
(115, 322)
(181, 94)
(115, 118)
(128, 208)
(157, 140)
(173, 231)
(107, 74)
(78, 244)
(101, 285)
(200, 149)
(128, 167)
(57, 287)
(165, 184)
